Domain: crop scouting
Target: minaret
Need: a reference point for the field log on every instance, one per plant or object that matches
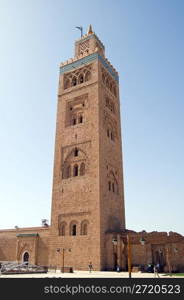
(87, 198)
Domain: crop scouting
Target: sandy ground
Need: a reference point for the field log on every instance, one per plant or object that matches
(86, 274)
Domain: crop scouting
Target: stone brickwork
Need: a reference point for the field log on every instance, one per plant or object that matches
(15, 242)
(90, 124)
(88, 193)
(164, 248)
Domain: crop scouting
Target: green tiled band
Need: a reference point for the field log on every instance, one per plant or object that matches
(88, 59)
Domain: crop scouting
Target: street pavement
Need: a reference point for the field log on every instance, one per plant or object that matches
(87, 274)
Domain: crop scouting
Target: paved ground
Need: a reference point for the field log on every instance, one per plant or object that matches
(86, 274)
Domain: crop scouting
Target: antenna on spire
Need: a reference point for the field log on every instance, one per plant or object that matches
(81, 29)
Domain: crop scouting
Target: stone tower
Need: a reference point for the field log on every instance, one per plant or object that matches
(88, 196)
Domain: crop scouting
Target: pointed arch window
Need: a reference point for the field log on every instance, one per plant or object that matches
(74, 120)
(74, 229)
(62, 229)
(76, 152)
(75, 170)
(74, 81)
(87, 76)
(112, 136)
(80, 119)
(81, 78)
(84, 228)
(113, 184)
(26, 257)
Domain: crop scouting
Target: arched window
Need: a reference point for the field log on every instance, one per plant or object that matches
(62, 229)
(76, 152)
(112, 136)
(74, 229)
(82, 169)
(81, 79)
(84, 227)
(75, 170)
(74, 81)
(109, 185)
(26, 257)
(113, 188)
(87, 76)
(108, 132)
(74, 120)
(80, 119)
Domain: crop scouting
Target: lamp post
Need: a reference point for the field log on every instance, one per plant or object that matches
(129, 257)
(63, 257)
(142, 241)
(129, 251)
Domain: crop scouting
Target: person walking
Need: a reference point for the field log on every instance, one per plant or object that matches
(90, 267)
(155, 269)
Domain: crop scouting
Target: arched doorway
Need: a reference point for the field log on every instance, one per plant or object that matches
(159, 257)
(26, 257)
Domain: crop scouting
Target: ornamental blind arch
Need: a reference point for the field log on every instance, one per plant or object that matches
(77, 77)
(110, 127)
(113, 185)
(84, 230)
(109, 103)
(62, 228)
(109, 82)
(76, 110)
(75, 163)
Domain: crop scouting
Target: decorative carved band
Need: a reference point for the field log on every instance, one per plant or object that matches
(82, 213)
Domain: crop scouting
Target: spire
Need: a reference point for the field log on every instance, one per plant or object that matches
(90, 30)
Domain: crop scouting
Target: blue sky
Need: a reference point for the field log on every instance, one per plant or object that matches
(144, 41)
